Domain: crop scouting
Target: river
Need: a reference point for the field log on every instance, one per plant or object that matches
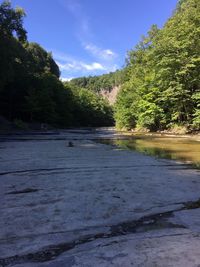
(180, 148)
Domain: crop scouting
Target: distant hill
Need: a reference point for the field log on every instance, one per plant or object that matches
(106, 85)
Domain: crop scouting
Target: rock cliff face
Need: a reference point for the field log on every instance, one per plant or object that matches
(111, 95)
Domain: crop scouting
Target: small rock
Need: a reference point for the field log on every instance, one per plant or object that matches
(70, 144)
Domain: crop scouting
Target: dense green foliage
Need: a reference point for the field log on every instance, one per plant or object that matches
(103, 82)
(90, 109)
(162, 87)
(30, 89)
(160, 84)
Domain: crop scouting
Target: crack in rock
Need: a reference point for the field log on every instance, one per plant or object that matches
(144, 224)
(24, 191)
(87, 168)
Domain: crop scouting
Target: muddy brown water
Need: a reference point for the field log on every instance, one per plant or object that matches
(185, 149)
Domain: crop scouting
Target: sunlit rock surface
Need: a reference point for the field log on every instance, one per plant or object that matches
(88, 204)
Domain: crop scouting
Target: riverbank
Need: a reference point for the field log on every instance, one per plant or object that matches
(195, 135)
(92, 204)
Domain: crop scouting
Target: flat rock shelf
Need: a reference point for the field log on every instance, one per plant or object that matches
(67, 200)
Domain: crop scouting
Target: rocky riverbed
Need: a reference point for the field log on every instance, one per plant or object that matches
(67, 200)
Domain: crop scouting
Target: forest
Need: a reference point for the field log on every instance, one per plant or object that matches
(160, 82)
(30, 88)
(102, 82)
(162, 88)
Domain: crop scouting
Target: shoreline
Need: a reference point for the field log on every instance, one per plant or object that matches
(119, 133)
(162, 134)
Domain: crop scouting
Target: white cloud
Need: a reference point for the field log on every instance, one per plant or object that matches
(104, 60)
(65, 79)
(109, 52)
(62, 57)
(103, 54)
(84, 31)
(93, 66)
(80, 66)
(74, 67)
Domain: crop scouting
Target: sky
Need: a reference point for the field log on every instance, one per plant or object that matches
(91, 37)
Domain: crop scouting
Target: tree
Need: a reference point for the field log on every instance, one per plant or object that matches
(89, 109)
(163, 74)
(41, 61)
(11, 25)
(11, 21)
(104, 82)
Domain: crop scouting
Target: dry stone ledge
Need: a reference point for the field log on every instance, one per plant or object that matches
(90, 204)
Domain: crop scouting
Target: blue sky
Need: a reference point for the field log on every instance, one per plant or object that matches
(91, 37)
